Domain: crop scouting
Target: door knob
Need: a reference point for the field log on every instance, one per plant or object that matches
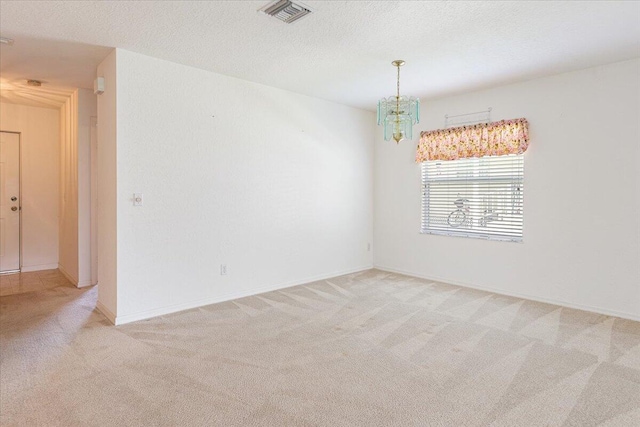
(14, 198)
(14, 208)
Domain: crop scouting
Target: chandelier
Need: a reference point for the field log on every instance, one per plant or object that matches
(398, 113)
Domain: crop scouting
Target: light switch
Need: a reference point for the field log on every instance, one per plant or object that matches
(137, 199)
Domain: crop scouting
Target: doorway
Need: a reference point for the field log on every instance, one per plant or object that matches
(10, 203)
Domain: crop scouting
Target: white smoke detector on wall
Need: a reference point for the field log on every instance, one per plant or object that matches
(98, 86)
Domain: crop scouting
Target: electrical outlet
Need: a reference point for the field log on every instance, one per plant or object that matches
(368, 247)
(223, 269)
(137, 199)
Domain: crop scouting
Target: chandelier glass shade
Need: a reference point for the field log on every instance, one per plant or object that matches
(397, 114)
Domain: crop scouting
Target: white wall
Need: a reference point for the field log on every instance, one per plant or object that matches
(68, 235)
(582, 195)
(275, 185)
(107, 190)
(40, 152)
(75, 186)
(87, 108)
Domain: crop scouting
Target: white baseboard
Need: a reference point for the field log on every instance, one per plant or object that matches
(106, 312)
(84, 283)
(121, 320)
(28, 268)
(561, 303)
(68, 276)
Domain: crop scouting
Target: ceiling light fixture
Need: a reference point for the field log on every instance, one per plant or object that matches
(398, 113)
(6, 40)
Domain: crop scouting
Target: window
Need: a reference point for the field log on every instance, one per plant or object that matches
(474, 197)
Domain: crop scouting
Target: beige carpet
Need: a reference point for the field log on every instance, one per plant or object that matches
(367, 349)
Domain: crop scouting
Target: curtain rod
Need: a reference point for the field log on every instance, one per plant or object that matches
(446, 116)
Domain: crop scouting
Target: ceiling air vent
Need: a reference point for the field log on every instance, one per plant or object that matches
(286, 11)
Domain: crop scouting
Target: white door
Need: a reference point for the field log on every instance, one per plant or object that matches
(9, 201)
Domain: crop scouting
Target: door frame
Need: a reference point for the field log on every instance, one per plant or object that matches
(93, 206)
(19, 204)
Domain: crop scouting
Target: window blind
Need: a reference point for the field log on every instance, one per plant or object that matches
(474, 197)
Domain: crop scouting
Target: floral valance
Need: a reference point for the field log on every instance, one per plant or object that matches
(485, 139)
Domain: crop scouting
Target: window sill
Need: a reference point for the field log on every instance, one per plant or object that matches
(474, 236)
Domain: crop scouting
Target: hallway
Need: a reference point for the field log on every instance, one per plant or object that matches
(20, 283)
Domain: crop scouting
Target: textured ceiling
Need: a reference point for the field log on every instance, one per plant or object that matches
(341, 52)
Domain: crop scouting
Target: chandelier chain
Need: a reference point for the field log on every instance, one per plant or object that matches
(398, 82)
(398, 94)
